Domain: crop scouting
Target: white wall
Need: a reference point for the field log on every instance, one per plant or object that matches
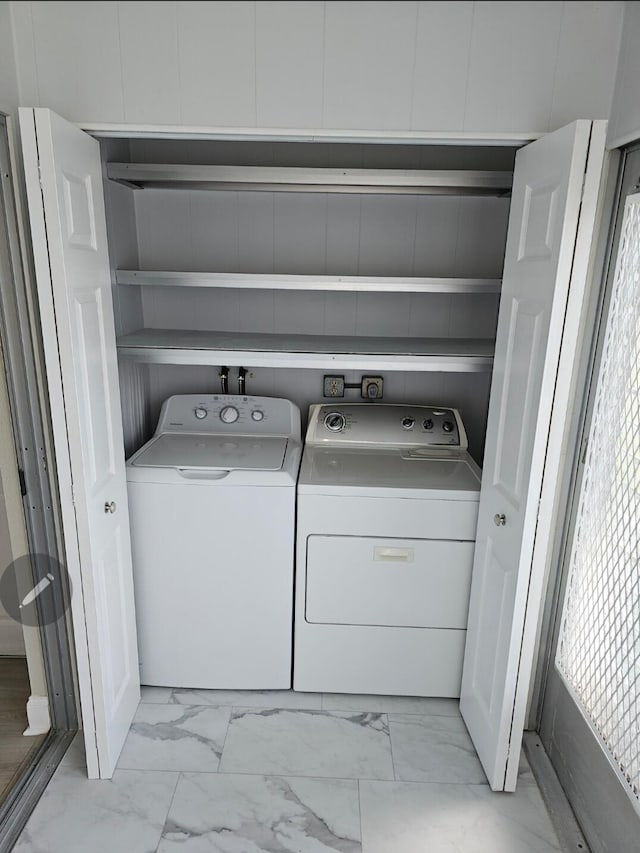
(453, 66)
(13, 544)
(11, 636)
(625, 113)
(8, 78)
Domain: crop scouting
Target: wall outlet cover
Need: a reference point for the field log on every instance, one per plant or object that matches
(372, 387)
(333, 386)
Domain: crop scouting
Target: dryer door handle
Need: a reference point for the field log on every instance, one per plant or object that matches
(392, 555)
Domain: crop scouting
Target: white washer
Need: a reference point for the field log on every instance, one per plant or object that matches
(212, 507)
(387, 513)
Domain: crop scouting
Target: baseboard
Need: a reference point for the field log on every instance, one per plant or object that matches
(38, 716)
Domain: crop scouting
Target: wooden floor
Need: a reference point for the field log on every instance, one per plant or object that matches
(15, 749)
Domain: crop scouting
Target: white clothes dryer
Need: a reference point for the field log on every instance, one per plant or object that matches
(212, 507)
(387, 512)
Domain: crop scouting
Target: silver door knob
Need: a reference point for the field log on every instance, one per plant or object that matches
(499, 519)
(110, 506)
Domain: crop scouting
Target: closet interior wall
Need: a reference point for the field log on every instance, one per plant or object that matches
(306, 233)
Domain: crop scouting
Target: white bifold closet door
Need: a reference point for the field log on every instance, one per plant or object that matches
(551, 224)
(64, 183)
(66, 207)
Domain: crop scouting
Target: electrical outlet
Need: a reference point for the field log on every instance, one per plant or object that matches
(333, 386)
(371, 387)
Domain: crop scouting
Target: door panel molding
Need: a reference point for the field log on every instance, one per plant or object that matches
(63, 173)
(577, 152)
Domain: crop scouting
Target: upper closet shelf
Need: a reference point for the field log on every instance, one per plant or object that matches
(170, 346)
(288, 179)
(268, 281)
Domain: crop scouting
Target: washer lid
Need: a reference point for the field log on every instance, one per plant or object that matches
(213, 452)
(452, 475)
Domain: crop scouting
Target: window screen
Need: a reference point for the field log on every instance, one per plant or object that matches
(599, 648)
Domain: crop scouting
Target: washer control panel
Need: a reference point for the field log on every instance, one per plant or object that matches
(229, 413)
(385, 424)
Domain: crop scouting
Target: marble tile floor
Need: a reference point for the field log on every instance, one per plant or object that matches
(245, 772)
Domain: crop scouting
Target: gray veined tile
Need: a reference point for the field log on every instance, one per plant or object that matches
(525, 773)
(256, 813)
(308, 743)
(433, 749)
(75, 754)
(248, 698)
(413, 817)
(390, 704)
(155, 694)
(76, 815)
(174, 737)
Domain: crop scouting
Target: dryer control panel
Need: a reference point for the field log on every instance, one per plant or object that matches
(239, 414)
(388, 424)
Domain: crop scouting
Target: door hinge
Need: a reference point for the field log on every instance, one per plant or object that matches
(23, 482)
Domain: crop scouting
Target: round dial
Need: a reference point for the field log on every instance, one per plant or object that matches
(408, 422)
(335, 421)
(229, 415)
(257, 415)
(427, 423)
(447, 426)
(200, 412)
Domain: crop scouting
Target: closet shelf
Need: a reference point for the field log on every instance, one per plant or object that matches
(288, 179)
(167, 346)
(268, 281)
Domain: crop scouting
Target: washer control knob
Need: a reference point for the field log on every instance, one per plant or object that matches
(200, 412)
(335, 421)
(408, 422)
(257, 415)
(447, 426)
(229, 415)
(427, 423)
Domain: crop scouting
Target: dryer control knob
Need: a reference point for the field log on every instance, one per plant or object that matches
(447, 426)
(408, 422)
(257, 415)
(229, 415)
(200, 413)
(335, 421)
(427, 423)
